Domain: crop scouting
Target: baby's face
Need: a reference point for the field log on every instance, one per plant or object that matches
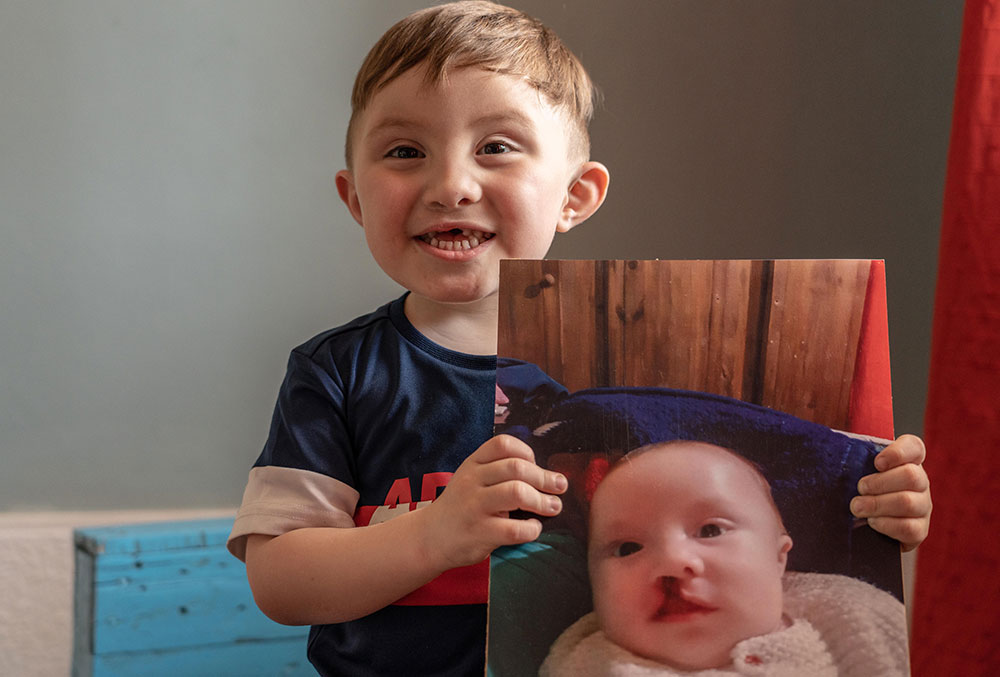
(686, 555)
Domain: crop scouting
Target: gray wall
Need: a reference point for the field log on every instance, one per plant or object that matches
(169, 227)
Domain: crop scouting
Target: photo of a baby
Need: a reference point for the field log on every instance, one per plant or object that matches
(713, 420)
(687, 559)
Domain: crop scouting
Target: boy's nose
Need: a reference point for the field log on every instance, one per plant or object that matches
(451, 185)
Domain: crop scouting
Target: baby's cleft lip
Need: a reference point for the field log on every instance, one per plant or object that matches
(677, 608)
(676, 605)
(455, 239)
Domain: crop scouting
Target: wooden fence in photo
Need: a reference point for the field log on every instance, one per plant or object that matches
(783, 334)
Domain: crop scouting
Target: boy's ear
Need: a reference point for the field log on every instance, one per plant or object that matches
(345, 188)
(585, 195)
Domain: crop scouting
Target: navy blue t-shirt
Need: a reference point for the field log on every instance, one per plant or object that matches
(371, 421)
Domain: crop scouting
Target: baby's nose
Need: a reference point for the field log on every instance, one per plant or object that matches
(678, 558)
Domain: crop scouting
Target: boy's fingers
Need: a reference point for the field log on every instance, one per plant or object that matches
(503, 446)
(909, 531)
(513, 532)
(510, 496)
(521, 470)
(907, 477)
(904, 504)
(905, 449)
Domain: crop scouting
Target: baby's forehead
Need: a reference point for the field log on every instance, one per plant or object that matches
(696, 454)
(669, 459)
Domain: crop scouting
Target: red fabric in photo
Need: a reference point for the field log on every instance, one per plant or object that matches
(870, 411)
(956, 626)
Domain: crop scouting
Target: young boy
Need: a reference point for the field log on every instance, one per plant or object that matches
(687, 554)
(467, 144)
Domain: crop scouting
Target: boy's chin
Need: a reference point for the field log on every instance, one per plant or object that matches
(457, 297)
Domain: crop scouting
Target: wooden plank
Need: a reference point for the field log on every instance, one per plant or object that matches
(666, 324)
(130, 570)
(685, 324)
(174, 614)
(552, 314)
(727, 327)
(280, 657)
(133, 538)
(815, 323)
(617, 349)
(176, 599)
(578, 308)
(522, 325)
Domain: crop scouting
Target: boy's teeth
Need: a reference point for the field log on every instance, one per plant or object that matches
(468, 239)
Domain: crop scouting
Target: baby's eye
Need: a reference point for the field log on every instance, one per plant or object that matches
(404, 153)
(710, 531)
(627, 548)
(495, 148)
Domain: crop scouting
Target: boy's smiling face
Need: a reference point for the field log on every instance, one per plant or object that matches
(448, 179)
(686, 555)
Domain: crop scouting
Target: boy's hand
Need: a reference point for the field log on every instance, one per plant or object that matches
(471, 516)
(897, 499)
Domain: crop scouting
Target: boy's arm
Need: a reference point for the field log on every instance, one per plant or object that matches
(897, 499)
(328, 575)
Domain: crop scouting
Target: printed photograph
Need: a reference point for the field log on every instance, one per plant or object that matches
(713, 419)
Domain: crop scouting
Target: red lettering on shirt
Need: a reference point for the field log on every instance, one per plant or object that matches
(432, 482)
(399, 492)
(465, 585)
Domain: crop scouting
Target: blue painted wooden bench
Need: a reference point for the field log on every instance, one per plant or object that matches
(168, 599)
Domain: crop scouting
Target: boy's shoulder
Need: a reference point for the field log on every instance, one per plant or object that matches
(378, 343)
(350, 333)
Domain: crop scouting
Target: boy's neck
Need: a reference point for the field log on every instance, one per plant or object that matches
(469, 328)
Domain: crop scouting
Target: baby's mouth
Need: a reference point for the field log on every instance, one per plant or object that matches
(674, 606)
(456, 239)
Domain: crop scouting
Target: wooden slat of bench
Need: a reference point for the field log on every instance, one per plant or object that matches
(285, 657)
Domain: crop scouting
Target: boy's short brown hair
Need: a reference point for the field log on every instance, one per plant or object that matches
(485, 35)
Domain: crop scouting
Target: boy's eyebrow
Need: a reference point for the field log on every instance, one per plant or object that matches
(507, 116)
(511, 115)
(392, 123)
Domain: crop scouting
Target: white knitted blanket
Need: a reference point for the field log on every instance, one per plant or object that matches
(842, 626)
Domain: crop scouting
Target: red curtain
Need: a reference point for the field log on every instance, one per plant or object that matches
(956, 629)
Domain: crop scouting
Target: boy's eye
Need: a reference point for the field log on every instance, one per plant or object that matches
(627, 548)
(404, 153)
(710, 531)
(495, 148)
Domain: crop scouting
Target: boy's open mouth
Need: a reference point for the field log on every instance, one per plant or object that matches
(673, 605)
(456, 239)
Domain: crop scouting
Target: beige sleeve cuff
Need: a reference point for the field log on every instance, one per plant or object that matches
(278, 500)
